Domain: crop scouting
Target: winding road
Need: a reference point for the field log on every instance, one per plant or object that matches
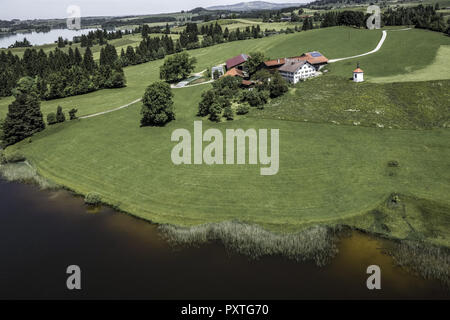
(380, 44)
(378, 47)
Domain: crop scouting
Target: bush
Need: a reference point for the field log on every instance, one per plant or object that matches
(73, 113)
(256, 98)
(278, 86)
(60, 117)
(93, 199)
(228, 113)
(14, 157)
(51, 118)
(242, 109)
(393, 164)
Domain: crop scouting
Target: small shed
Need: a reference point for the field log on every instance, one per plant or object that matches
(358, 74)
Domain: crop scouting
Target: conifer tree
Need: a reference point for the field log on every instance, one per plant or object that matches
(24, 116)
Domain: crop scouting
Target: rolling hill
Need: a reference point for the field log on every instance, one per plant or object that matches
(254, 6)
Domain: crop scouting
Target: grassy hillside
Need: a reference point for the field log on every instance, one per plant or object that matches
(330, 99)
(439, 69)
(233, 24)
(326, 172)
(122, 43)
(403, 52)
(333, 42)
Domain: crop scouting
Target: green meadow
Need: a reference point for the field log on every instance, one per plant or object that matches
(329, 173)
(403, 52)
(332, 42)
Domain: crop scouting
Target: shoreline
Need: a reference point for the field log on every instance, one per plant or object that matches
(314, 241)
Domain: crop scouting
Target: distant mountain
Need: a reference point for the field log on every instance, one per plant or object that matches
(255, 5)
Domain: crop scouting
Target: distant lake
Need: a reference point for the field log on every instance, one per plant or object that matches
(39, 38)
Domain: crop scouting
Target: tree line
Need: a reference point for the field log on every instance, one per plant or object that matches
(60, 74)
(424, 17)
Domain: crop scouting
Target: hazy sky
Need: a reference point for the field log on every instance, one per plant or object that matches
(37, 9)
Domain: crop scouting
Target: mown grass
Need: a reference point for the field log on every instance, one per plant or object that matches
(439, 69)
(327, 173)
(330, 99)
(402, 53)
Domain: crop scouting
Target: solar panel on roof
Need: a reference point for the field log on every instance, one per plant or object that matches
(315, 54)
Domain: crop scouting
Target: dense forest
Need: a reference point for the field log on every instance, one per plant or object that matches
(61, 74)
(424, 17)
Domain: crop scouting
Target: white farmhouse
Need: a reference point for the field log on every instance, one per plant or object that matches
(294, 71)
(358, 75)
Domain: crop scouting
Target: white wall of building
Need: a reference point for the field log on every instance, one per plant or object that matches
(305, 72)
(358, 76)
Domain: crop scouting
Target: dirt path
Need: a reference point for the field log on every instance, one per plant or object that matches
(380, 44)
(112, 110)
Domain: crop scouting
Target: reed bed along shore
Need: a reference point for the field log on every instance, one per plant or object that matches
(317, 243)
(428, 261)
(24, 172)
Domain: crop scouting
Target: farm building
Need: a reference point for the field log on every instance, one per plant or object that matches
(218, 69)
(235, 73)
(237, 62)
(293, 71)
(274, 64)
(315, 58)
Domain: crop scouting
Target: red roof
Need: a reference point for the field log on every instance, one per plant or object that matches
(236, 61)
(275, 62)
(358, 71)
(312, 57)
(234, 73)
(247, 83)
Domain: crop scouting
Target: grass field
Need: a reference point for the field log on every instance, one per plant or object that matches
(403, 52)
(333, 42)
(412, 105)
(438, 70)
(233, 24)
(328, 173)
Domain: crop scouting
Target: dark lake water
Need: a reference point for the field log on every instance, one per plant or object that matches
(39, 38)
(42, 232)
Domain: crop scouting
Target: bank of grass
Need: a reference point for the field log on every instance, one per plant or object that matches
(327, 172)
(330, 99)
